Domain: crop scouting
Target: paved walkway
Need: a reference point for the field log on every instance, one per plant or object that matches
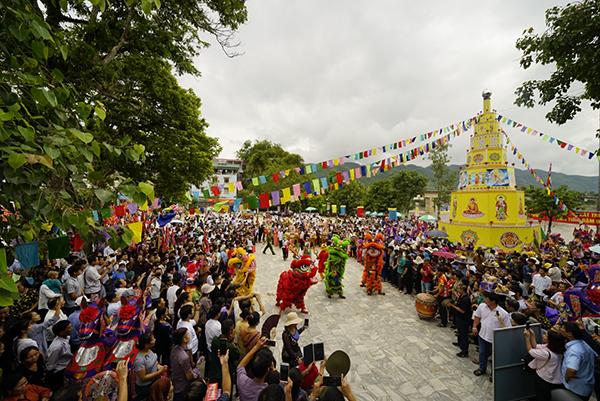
(394, 354)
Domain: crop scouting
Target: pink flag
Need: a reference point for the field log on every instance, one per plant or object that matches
(296, 188)
(239, 185)
(357, 173)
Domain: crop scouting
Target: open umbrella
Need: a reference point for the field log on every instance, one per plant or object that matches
(595, 248)
(444, 254)
(310, 209)
(401, 214)
(436, 234)
(380, 214)
(427, 217)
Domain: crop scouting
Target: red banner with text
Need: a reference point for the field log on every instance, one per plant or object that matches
(589, 218)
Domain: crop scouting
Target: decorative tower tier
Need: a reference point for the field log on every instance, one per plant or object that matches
(487, 210)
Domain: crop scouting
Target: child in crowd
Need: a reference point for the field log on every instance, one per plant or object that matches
(53, 282)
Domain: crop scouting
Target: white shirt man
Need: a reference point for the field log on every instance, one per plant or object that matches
(211, 330)
(541, 282)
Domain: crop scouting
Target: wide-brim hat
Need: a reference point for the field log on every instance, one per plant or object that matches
(419, 260)
(292, 318)
(207, 288)
(338, 363)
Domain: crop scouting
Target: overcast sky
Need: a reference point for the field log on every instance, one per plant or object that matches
(330, 78)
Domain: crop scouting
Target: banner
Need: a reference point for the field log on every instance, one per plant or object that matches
(588, 218)
(343, 210)
(28, 254)
(58, 247)
(392, 214)
(137, 231)
(360, 211)
(333, 208)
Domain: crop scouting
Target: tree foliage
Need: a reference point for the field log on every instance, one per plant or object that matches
(124, 53)
(267, 158)
(571, 44)
(405, 186)
(444, 179)
(51, 159)
(539, 202)
(352, 194)
(379, 196)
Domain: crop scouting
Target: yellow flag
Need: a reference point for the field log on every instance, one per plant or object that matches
(144, 206)
(137, 231)
(231, 187)
(286, 195)
(352, 174)
(333, 208)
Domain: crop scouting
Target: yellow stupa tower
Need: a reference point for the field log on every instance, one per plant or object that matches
(487, 210)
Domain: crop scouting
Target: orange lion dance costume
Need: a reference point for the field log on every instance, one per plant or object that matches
(373, 263)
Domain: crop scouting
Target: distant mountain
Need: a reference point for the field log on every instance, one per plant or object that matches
(524, 178)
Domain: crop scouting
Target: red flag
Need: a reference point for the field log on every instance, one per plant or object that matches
(120, 210)
(264, 201)
(324, 165)
(339, 177)
(215, 191)
(276, 177)
(192, 211)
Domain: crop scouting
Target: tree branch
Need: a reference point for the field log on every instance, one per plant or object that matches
(122, 41)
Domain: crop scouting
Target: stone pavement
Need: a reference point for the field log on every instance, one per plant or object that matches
(394, 354)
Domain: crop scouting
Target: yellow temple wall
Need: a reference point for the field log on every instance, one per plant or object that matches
(508, 238)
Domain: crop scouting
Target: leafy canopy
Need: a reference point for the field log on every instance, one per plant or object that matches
(571, 43)
(539, 202)
(51, 168)
(443, 177)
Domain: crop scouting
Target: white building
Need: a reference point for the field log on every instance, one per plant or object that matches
(225, 171)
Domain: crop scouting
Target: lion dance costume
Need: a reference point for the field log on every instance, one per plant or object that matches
(373, 264)
(293, 284)
(336, 266)
(243, 263)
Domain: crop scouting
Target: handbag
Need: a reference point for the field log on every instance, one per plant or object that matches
(528, 358)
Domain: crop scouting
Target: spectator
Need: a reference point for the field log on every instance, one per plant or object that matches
(30, 332)
(540, 282)
(72, 288)
(59, 354)
(426, 274)
(52, 305)
(577, 371)
(32, 366)
(81, 303)
(17, 388)
(332, 393)
(191, 325)
(181, 363)
(162, 332)
(248, 388)
(172, 293)
(442, 293)
(489, 314)
(29, 298)
(213, 326)
(249, 335)
(146, 366)
(227, 333)
(161, 390)
(547, 360)
(291, 352)
(462, 317)
(196, 390)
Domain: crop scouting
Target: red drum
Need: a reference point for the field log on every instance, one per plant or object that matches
(426, 306)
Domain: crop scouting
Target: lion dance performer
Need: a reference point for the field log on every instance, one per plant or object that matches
(293, 284)
(322, 258)
(374, 264)
(243, 264)
(363, 281)
(335, 266)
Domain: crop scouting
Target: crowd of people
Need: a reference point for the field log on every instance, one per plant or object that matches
(201, 334)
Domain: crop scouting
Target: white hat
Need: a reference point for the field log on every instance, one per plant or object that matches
(79, 300)
(207, 288)
(571, 263)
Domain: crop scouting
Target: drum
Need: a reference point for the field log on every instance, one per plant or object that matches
(426, 306)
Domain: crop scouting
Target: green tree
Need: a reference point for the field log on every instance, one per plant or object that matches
(52, 166)
(353, 194)
(570, 43)
(406, 185)
(123, 53)
(380, 196)
(444, 179)
(267, 158)
(539, 202)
